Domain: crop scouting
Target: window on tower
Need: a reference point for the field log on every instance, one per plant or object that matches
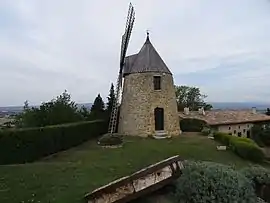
(157, 82)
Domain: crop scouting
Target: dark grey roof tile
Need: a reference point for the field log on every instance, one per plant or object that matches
(147, 60)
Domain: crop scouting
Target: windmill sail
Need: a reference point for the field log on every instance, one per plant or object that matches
(124, 46)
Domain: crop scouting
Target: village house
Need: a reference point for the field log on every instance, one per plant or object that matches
(233, 122)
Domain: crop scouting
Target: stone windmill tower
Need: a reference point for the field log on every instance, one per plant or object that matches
(148, 104)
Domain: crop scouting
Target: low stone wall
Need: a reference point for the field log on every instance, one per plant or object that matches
(138, 184)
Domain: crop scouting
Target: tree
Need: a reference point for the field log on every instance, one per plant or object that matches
(26, 105)
(191, 97)
(26, 118)
(111, 99)
(98, 104)
(85, 113)
(57, 111)
(260, 133)
(98, 108)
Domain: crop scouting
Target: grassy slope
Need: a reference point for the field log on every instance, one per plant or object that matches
(69, 175)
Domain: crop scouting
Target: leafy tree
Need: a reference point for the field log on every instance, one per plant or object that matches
(85, 113)
(26, 118)
(57, 111)
(191, 97)
(98, 108)
(260, 133)
(26, 105)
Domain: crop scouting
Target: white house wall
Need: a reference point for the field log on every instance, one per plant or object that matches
(234, 129)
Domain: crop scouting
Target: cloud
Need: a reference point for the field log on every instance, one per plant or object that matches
(48, 46)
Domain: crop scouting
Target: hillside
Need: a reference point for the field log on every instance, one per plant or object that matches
(240, 105)
(68, 176)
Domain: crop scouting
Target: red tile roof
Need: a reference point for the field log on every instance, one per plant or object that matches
(223, 117)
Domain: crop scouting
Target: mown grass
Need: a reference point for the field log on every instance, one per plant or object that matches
(67, 176)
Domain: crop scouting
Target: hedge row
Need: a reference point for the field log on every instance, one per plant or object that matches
(244, 147)
(192, 125)
(30, 144)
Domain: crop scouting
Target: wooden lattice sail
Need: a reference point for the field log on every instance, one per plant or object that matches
(124, 46)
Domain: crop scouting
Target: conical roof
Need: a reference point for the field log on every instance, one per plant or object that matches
(147, 60)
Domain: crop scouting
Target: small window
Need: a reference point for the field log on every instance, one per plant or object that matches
(239, 126)
(248, 126)
(157, 82)
(229, 128)
(244, 130)
(234, 132)
(239, 134)
(230, 133)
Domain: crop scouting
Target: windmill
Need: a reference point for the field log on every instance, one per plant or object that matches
(124, 46)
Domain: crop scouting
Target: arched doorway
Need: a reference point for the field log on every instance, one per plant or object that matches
(159, 118)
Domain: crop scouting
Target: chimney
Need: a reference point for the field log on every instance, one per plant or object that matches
(186, 110)
(254, 110)
(201, 111)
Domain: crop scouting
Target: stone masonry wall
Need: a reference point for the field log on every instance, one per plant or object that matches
(139, 99)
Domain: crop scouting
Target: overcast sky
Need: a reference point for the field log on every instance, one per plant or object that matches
(47, 46)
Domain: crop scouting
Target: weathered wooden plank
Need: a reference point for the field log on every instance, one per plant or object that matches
(139, 183)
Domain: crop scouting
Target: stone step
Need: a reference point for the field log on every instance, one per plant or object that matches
(160, 134)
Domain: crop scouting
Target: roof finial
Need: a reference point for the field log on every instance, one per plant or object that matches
(147, 38)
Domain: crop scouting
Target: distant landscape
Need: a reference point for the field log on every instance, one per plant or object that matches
(17, 109)
(240, 105)
(216, 105)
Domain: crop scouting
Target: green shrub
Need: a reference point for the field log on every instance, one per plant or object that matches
(211, 182)
(247, 150)
(261, 180)
(110, 140)
(257, 174)
(29, 144)
(244, 147)
(242, 139)
(234, 139)
(192, 125)
(223, 138)
(206, 131)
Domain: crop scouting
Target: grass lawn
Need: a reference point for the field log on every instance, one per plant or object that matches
(67, 176)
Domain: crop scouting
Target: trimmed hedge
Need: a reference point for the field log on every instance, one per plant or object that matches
(211, 182)
(244, 147)
(261, 180)
(30, 144)
(192, 125)
(222, 138)
(248, 151)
